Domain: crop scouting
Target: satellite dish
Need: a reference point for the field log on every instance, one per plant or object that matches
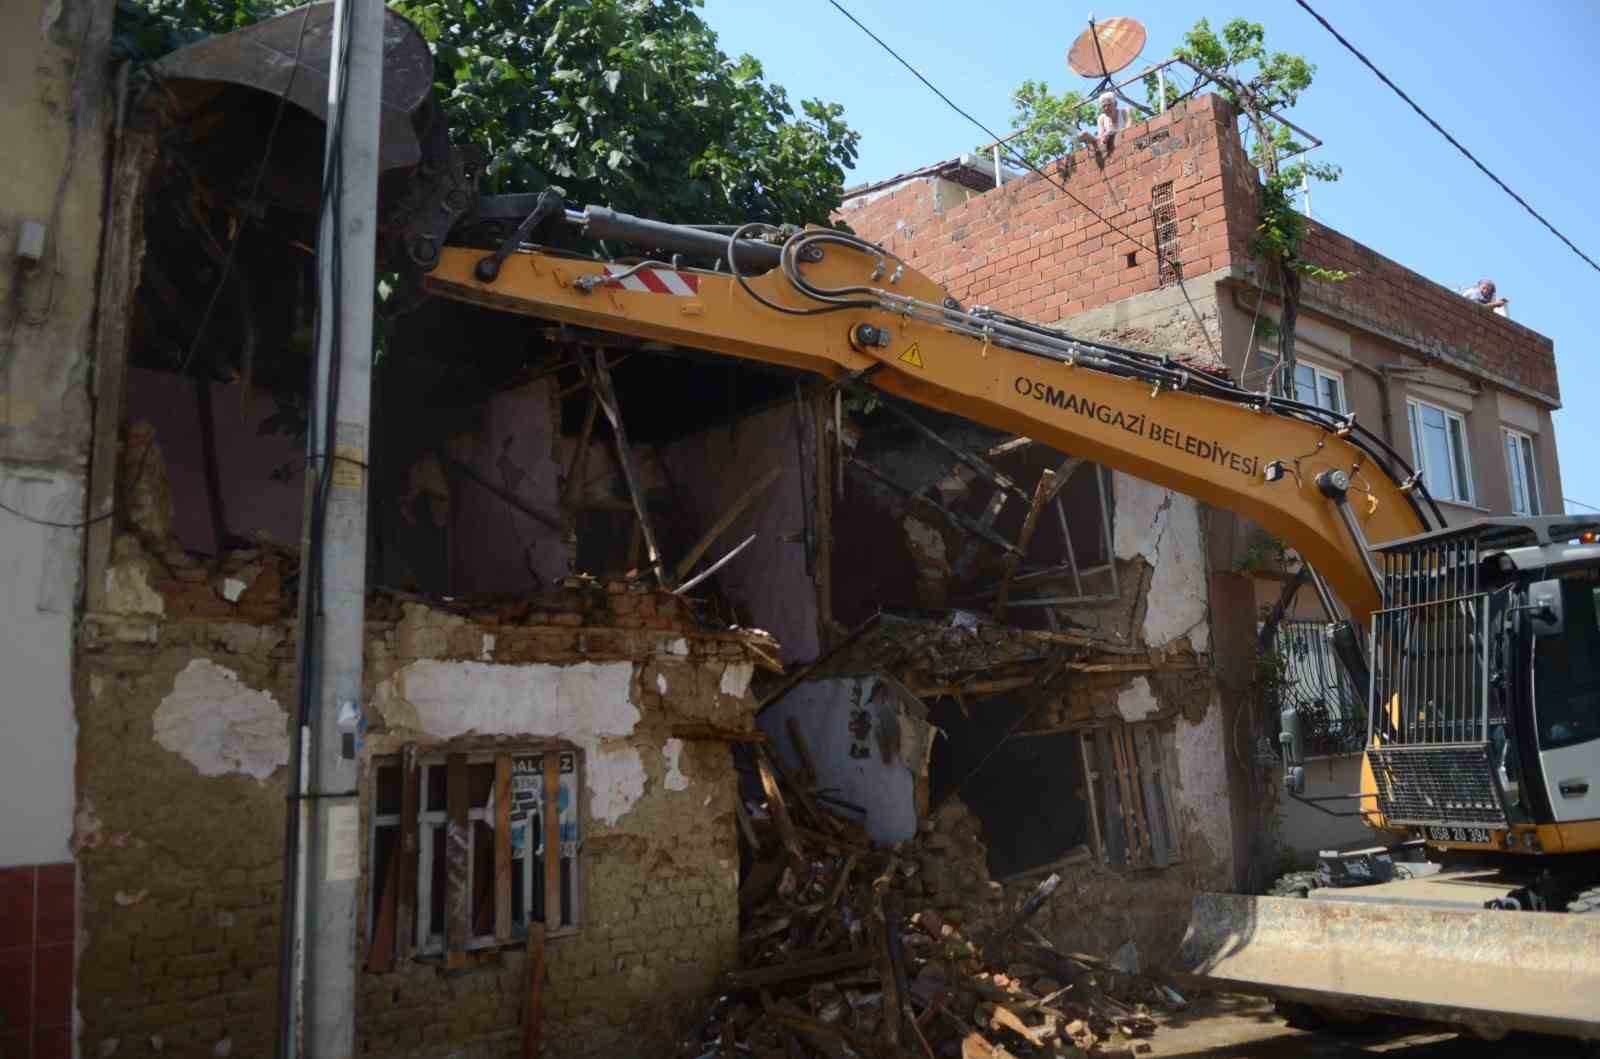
(1121, 41)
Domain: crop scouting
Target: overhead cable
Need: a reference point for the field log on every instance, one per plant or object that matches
(1353, 50)
(1019, 159)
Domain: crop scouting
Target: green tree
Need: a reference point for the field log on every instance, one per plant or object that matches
(629, 103)
(1257, 81)
(1049, 123)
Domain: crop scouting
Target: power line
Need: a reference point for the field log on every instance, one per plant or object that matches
(1023, 161)
(1353, 50)
(1580, 503)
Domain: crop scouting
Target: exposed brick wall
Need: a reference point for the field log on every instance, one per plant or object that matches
(181, 870)
(1391, 298)
(1029, 249)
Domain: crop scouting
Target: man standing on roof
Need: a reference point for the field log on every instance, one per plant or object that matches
(1483, 293)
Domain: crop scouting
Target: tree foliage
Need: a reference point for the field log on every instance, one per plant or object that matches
(1256, 80)
(629, 103)
(1049, 123)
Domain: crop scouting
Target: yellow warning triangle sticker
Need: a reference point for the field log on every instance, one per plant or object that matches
(913, 355)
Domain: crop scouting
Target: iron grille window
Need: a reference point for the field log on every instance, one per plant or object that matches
(1311, 680)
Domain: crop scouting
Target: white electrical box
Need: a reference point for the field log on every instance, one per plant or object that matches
(30, 242)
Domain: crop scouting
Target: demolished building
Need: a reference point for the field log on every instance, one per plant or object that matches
(928, 619)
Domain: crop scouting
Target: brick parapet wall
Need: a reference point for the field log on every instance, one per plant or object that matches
(1396, 302)
(181, 870)
(1030, 249)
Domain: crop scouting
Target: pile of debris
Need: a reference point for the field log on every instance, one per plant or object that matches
(849, 950)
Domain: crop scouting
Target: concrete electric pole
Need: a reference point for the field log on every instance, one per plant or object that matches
(321, 1021)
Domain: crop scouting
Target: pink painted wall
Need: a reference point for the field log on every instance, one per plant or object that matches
(246, 459)
(494, 547)
(715, 468)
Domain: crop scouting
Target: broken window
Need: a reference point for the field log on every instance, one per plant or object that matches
(1127, 766)
(468, 849)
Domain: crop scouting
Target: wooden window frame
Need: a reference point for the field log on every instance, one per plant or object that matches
(1127, 772)
(402, 925)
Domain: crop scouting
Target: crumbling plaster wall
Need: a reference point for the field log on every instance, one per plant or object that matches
(715, 468)
(53, 117)
(495, 547)
(184, 736)
(258, 505)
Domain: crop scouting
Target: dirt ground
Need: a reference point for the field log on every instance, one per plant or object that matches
(1227, 1027)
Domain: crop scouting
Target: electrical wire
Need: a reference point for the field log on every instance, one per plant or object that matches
(1017, 157)
(216, 293)
(1580, 503)
(1440, 129)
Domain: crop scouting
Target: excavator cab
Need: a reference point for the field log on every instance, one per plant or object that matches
(1483, 745)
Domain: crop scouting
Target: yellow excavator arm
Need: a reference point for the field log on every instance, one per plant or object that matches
(842, 309)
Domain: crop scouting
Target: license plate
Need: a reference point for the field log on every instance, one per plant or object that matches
(1459, 834)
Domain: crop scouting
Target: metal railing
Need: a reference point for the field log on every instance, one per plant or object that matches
(1430, 665)
(1332, 709)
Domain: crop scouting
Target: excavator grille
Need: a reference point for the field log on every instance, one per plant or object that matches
(1442, 786)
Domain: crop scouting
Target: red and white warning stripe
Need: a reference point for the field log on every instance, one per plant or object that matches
(655, 281)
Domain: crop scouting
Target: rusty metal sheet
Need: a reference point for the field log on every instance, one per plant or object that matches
(1489, 971)
(262, 57)
(1121, 41)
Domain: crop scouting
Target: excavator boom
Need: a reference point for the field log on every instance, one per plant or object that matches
(1174, 426)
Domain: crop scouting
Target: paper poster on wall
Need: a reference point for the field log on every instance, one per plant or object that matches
(527, 802)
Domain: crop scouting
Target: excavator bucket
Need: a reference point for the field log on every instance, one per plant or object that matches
(211, 90)
(1487, 971)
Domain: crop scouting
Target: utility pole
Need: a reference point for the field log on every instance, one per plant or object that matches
(319, 1016)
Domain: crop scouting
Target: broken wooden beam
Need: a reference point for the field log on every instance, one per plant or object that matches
(984, 469)
(502, 848)
(796, 970)
(712, 733)
(802, 750)
(550, 817)
(543, 518)
(718, 528)
(1025, 538)
(780, 812)
(956, 519)
(533, 1009)
(593, 366)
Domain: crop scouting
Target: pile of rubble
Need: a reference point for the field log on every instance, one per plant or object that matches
(902, 952)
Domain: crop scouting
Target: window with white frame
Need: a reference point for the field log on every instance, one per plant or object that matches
(1523, 473)
(1439, 451)
(458, 850)
(1325, 389)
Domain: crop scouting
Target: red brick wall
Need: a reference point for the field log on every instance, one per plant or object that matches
(1030, 249)
(1390, 297)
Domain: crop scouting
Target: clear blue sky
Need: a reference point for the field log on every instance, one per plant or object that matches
(1405, 191)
